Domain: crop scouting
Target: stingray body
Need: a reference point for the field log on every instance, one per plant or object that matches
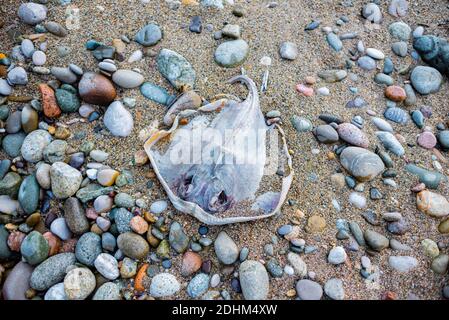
(210, 166)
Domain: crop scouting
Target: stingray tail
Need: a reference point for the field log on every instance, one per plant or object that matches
(253, 95)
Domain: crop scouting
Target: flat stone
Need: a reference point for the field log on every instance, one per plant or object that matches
(231, 54)
(254, 280)
(176, 69)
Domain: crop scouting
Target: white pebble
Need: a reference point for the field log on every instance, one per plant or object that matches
(357, 200)
(39, 58)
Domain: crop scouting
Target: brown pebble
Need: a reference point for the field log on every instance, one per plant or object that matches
(395, 93)
(53, 242)
(62, 133)
(191, 263)
(418, 188)
(15, 239)
(33, 219)
(96, 89)
(49, 105)
(138, 225)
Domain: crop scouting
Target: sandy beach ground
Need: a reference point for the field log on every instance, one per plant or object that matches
(265, 29)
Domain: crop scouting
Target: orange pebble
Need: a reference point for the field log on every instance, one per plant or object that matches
(138, 280)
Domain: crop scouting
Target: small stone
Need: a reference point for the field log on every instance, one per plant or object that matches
(334, 289)
(364, 165)
(164, 285)
(366, 63)
(375, 240)
(79, 283)
(127, 78)
(337, 256)
(426, 80)
(225, 249)
(32, 13)
(395, 93)
(118, 120)
(432, 203)
(315, 224)
(107, 266)
(177, 238)
(198, 285)
(231, 53)
(133, 245)
(176, 69)
(402, 263)
(108, 291)
(400, 30)
(288, 51)
(400, 48)
(34, 248)
(309, 290)
(427, 140)
(149, 35)
(254, 280)
(65, 180)
(88, 248)
(430, 248)
(51, 271)
(96, 89)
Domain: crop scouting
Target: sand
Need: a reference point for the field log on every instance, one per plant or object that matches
(264, 29)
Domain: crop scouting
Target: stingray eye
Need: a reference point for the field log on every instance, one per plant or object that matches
(222, 198)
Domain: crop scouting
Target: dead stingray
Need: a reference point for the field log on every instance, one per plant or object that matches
(219, 175)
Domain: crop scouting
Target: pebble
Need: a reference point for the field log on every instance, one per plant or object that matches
(288, 51)
(176, 69)
(67, 98)
(191, 263)
(149, 35)
(127, 78)
(398, 8)
(177, 238)
(51, 271)
(298, 265)
(308, 290)
(32, 13)
(400, 30)
(430, 248)
(231, 31)
(198, 285)
(440, 264)
(426, 80)
(364, 165)
(34, 248)
(334, 41)
(96, 89)
(326, 134)
(60, 229)
(122, 219)
(158, 207)
(17, 76)
(28, 195)
(164, 285)
(443, 138)
(118, 120)
(352, 135)
(17, 282)
(79, 283)
(432, 204)
(27, 48)
(108, 291)
(397, 115)
(196, 24)
(395, 93)
(133, 245)
(231, 54)
(33, 145)
(88, 248)
(366, 63)
(254, 281)
(225, 248)
(427, 140)
(64, 74)
(372, 13)
(400, 48)
(382, 125)
(65, 180)
(156, 93)
(334, 289)
(337, 256)
(56, 293)
(390, 143)
(375, 53)
(357, 200)
(75, 216)
(333, 75)
(382, 78)
(375, 240)
(5, 88)
(107, 266)
(402, 263)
